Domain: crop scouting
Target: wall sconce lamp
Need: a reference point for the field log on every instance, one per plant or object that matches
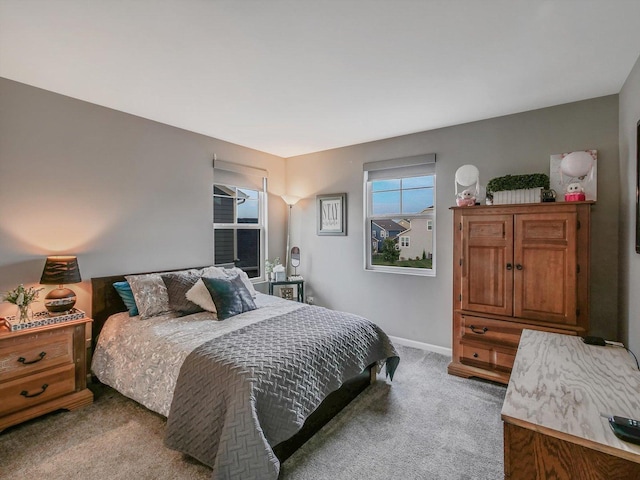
(59, 270)
(290, 200)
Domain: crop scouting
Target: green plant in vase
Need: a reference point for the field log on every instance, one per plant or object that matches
(23, 298)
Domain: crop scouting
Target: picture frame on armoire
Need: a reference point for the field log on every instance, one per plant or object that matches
(638, 188)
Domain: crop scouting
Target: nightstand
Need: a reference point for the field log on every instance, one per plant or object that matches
(299, 284)
(43, 369)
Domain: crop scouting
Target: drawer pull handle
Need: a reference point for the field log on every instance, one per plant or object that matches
(24, 360)
(475, 329)
(475, 355)
(26, 394)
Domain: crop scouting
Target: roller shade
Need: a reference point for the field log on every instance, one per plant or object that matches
(238, 175)
(400, 167)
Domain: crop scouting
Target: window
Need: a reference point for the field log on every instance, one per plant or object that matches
(239, 219)
(400, 203)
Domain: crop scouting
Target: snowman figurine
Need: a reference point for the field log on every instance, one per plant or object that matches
(574, 193)
(466, 198)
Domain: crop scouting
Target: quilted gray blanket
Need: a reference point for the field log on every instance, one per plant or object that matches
(240, 394)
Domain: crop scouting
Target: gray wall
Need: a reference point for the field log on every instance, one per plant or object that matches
(127, 194)
(629, 259)
(419, 308)
(123, 193)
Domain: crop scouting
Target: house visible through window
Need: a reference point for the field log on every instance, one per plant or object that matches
(400, 215)
(239, 221)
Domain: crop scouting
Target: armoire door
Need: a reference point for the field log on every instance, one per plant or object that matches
(545, 267)
(486, 263)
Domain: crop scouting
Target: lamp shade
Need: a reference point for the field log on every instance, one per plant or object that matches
(59, 270)
(290, 200)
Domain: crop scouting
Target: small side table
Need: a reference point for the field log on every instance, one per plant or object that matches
(43, 369)
(299, 287)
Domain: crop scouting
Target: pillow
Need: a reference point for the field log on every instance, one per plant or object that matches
(124, 290)
(235, 271)
(230, 296)
(178, 284)
(213, 272)
(150, 294)
(199, 295)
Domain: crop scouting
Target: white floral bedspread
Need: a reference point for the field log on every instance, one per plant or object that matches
(142, 358)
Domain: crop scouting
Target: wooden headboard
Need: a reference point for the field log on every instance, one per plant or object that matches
(106, 301)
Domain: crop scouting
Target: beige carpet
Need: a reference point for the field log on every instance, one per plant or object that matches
(426, 425)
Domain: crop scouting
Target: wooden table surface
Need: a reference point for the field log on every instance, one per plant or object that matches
(562, 387)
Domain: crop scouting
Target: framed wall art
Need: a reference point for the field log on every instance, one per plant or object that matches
(332, 214)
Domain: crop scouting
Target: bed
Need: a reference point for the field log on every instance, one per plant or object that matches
(242, 394)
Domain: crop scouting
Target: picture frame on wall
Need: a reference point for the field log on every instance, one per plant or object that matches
(331, 214)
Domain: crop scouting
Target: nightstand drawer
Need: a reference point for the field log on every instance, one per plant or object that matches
(23, 393)
(31, 353)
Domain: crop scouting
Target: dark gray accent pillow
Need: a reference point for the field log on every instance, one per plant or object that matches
(230, 296)
(178, 284)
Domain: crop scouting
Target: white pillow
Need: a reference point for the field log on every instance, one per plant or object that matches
(199, 295)
(244, 277)
(213, 272)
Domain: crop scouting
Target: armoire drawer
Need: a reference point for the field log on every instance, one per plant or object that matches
(487, 356)
(490, 331)
(497, 332)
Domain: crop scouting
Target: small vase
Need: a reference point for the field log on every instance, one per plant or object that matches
(25, 314)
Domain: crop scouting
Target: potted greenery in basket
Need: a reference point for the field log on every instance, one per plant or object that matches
(529, 184)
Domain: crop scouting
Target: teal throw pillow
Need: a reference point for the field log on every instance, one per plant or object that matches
(230, 296)
(124, 290)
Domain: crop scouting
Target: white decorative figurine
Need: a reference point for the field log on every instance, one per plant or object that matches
(466, 198)
(574, 193)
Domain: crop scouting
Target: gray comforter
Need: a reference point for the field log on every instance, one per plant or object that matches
(240, 394)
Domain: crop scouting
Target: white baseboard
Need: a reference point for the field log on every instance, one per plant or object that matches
(422, 346)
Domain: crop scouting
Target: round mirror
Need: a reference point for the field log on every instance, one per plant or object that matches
(467, 175)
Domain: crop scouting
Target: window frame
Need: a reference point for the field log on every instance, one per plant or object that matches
(262, 226)
(422, 165)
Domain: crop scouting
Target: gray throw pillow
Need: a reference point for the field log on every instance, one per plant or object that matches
(178, 284)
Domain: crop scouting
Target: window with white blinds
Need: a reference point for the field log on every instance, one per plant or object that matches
(399, 205)
(239, 217)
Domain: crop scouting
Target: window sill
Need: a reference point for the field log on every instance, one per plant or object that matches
(417, 272)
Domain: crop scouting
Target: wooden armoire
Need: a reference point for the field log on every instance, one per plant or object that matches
(515, 267)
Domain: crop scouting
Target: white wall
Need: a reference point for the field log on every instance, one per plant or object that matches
(419, 308)
(123, 193)
(629, 259)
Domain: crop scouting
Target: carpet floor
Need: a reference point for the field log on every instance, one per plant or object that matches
(424, 425)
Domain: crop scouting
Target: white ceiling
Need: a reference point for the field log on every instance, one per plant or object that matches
(296, 76)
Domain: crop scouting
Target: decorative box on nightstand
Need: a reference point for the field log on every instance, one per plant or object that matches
(43, 369)
(287, 288)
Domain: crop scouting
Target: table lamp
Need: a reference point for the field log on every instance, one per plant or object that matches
(59, 270)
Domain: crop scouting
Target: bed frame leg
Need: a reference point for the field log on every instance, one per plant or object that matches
(373, 374)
